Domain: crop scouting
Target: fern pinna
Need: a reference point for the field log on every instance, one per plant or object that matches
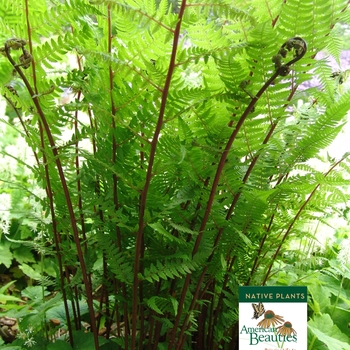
(186, 171)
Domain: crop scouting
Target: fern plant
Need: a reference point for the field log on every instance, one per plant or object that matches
(187, 169)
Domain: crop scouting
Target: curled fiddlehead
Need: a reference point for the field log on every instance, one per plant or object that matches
(298, 45)
(16, 44)
(25, 60)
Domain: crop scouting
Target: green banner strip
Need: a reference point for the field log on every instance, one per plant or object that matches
(288, 294)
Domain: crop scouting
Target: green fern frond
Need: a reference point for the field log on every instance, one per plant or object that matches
(232, 72)
(324, 72)
(11, 15)
(163, 305)
(120, 266)
(299, 18)
(336, 112)
(157, 304)
(165, 236)
(169, 270)
(335, 45)
(181, 194)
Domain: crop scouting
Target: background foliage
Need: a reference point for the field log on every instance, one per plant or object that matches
(168, 168)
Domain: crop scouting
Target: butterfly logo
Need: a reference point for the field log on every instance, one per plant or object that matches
(258, 310)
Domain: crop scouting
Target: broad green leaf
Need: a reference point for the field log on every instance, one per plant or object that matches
(30, 272)
(58, 311)
(85, 341)
(4, 298)
(7, 285)
(23, 254)
(59, 345)
(324, 329)
(340, 317)
(34, 292)
(320, 298)
(5, 254)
